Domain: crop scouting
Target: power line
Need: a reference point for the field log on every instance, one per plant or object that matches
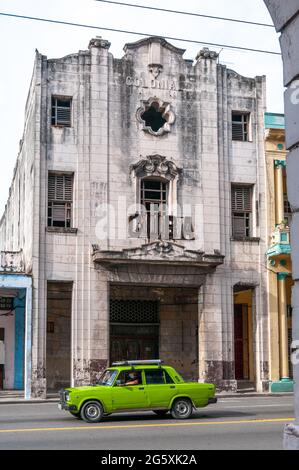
(66, 23)
(146, 7)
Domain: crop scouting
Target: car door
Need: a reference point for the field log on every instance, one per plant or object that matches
(160, 388)
(128, 397)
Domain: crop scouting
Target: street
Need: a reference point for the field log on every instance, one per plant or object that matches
(234, 423)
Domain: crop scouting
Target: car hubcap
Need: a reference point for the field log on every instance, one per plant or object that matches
(182, 408)
(92, 412)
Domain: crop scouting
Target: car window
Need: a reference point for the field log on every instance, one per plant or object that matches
(107, 378)
(154, 376)
(129, 378)
(168, 379)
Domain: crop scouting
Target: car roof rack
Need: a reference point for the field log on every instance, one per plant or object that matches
(156, 362)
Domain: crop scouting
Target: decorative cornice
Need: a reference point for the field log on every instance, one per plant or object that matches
(159, 252)
(154, 39)
(155, 165)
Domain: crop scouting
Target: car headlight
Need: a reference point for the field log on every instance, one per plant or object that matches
(66, 395)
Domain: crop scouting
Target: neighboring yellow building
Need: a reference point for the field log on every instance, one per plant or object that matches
(278, 256)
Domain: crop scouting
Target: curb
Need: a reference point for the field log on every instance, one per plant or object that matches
(255, 395)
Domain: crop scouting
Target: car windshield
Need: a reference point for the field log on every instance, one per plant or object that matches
(107, 378)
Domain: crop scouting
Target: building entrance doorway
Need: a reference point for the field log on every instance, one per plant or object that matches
(134, 329)
(243, 335)
(155, 322)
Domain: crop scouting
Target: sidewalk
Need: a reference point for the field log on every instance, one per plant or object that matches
(12, 397)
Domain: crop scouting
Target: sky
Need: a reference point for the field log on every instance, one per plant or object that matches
(19, 39)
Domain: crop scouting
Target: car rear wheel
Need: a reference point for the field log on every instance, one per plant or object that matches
(92, 412)
(181, 408)
(161, 412)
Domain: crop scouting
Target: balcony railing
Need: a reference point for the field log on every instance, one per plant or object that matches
(280, 241)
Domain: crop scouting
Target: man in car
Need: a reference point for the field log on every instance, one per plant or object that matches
(133, 379)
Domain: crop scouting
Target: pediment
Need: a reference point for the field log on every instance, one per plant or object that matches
(153, 40)
(158, 252)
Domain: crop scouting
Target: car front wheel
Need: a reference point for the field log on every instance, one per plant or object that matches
(181, 408)
(92, 412)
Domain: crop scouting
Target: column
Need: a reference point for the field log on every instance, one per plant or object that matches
(279, 192)
(283, 326)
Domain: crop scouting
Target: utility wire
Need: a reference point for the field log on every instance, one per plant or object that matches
(146, 7)
(66, 23)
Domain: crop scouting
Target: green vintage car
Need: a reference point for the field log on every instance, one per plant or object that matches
(135, 386)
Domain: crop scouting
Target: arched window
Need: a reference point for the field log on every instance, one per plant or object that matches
(155, 180)
(154, 200)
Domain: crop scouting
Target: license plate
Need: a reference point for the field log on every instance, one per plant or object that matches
(60, 406)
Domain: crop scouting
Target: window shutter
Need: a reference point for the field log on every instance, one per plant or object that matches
(238, 131)
(241, 199)
(60, 188)
(61, 111)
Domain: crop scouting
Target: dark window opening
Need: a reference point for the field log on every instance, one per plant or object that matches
(6, 303)
(60, 200)
(242, 211)
(61, 112)
(154, 199)
(50, 327)
(240, 126)
(153, 117)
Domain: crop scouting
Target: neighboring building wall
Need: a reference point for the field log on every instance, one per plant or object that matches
(279, 258)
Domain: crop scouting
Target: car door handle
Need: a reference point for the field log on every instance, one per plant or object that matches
(172, 386)
(141, 388)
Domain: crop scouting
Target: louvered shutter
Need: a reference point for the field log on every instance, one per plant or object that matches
(241, 211)
(60, 188)
(241, 199)
(238, 131)
(60, 197)
(240, 123)
(61, 112)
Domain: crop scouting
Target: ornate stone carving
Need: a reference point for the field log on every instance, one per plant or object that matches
(12, 261)
(155, 165)
(167, 115)
(98, 41)
(155, 69)
(206, 53)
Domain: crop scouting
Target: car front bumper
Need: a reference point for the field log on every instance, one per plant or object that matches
(65, 406)
(212, 401)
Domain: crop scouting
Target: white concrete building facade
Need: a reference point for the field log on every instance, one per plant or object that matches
(139, 204)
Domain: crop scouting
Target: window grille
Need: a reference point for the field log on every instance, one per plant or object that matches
(6, 303)
(134, 311)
